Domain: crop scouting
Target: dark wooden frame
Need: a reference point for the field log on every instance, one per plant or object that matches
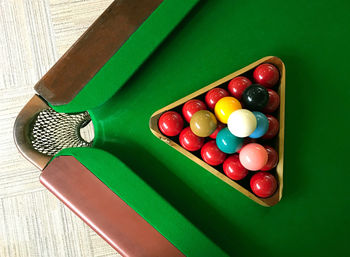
(93, 49)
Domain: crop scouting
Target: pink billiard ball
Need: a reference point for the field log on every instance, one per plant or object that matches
(218, 128)
(272, 158)
(234, 169)
(191, 107)
(266, 75)
(273, 127)
(214, 95)
(273, 103)
(263, 184)
(211, 154)
(247, 140)
(253, 156)
(237, 86)
(170, 123)
(190, 141)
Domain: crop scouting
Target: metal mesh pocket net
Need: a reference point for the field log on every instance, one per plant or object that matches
(52, 131)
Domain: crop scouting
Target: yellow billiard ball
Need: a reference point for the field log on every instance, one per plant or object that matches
(225, 107)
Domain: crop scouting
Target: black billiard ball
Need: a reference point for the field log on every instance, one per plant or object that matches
(255, 97)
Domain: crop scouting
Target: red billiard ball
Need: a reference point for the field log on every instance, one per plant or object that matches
(190, 141)
(170, 123)
(237, 86)
(218, 128)
(273, 103)
(214, 95)
(234, 169)
(273, 127)
(211, 154)
(272, 158)
(191, 107)
(263, 184)
(266, 75)
(247, 140)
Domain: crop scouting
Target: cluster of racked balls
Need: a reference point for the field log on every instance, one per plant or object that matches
(233, 145)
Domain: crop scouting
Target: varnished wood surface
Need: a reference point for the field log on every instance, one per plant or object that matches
(99, 43)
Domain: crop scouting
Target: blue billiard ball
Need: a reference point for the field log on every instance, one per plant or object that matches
(227, 142)
(262, 125)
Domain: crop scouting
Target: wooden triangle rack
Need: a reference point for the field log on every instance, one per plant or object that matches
(278, 143)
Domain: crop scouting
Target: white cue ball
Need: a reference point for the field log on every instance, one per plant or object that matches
(242, 123)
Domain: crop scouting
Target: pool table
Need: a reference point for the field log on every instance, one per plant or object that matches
(147, 199)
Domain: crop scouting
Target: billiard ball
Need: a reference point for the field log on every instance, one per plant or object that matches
(266, 74)
(273, 127)
(273, 103)
(255, 97)
(263, 184)
(190, 141)
(242, 123)
(214, 95)
(191, 107)
(233, 168)
(203, 123)
(170, 123)
(225, 106)
(247, 140)
(218, 128)
(211, 154)
(227, 142)
(272, 158)
(262, 125)
(237, 86)
(253, 156)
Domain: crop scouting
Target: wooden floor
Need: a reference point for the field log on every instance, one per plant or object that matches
(34, 34)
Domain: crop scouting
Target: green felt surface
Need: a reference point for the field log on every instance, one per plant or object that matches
(216, 39)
